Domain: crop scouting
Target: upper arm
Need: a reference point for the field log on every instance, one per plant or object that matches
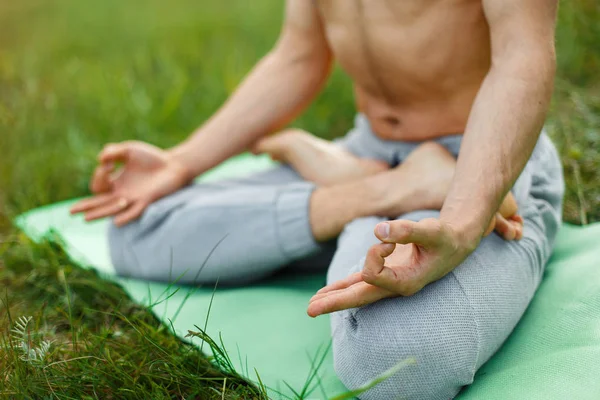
(303, 33)
(521, 31)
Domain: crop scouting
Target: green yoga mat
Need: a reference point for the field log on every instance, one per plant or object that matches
(554, 353)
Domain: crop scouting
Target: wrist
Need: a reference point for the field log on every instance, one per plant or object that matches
(468, 231)
(178, 156)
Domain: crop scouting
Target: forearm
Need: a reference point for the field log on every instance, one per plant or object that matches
(273, 94)
(503, 128)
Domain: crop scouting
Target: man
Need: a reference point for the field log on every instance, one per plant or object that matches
(427, 284)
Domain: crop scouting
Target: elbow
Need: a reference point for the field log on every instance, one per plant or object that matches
(535, 68)
(308, 68)
(313, 58)
(546, 75)
(308, 60)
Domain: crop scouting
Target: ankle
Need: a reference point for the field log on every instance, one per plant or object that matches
(375, 196)
(332, 207)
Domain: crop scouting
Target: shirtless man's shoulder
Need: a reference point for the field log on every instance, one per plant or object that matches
(416, 65)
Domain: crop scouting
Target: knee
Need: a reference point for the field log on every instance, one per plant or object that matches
(357, 366)
(164, 256)
(428, 368)
(122, 255)
(134, 254)
(194, 244)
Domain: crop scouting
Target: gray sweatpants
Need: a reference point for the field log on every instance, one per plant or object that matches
(451, 327)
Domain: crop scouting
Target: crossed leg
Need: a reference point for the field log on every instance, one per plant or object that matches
(268, 220)
(327, 164)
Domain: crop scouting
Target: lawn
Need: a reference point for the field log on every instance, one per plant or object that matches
(77, 74)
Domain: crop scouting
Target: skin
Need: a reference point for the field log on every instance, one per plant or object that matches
(421, 70)
(326, 164)
(315, 159)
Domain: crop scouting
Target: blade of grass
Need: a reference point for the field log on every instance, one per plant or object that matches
(387, 374)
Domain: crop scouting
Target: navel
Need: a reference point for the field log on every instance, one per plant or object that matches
(394, 121)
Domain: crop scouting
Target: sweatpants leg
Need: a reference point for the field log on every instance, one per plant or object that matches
(438, 326)
(236, 231)
(454, 325)
(239, 230)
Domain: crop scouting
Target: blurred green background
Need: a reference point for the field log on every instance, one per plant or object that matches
(77, 74)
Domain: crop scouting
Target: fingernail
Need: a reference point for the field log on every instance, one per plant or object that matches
(383, 230)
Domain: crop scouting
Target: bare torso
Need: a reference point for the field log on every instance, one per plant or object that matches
(416, 64)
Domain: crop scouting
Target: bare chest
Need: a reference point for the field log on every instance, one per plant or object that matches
(390, 47)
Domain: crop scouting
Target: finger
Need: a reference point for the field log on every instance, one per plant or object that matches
(112, 208)
(518, 232)
(374, 271)
(318, 296)
(130, 213)
(91, 203)
(509, 206)
(342, 284)
(504, 228)
(425, 232)
(101, 181)
(114, 152)
(357, 295)
(339, 285)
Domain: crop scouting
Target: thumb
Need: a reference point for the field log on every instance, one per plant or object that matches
(425, 232)
(115, 152)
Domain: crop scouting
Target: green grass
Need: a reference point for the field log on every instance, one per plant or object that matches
(77, 74)
(102, 345)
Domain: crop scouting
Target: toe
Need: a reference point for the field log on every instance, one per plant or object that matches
(505, 228)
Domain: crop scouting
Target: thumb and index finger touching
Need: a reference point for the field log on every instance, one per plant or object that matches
(425, 232)
(111, 154)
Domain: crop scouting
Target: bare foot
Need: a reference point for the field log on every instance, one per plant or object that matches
(421, 182)
(507, 223)
(317, 160)
(429, 169)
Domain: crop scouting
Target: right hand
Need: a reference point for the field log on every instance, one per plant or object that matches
(147, 174)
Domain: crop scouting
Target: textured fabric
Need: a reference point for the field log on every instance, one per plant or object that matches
(263, 216)
(454, 325)
(451, 327)
(552, 354)
(241, 226)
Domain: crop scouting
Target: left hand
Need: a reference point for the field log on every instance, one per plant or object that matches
(412, 255)
(148, 173)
